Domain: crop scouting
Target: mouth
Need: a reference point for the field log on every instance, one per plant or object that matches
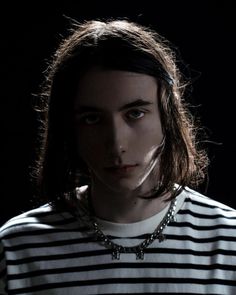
(121, 169)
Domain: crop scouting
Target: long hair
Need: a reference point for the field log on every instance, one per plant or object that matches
(118, 45)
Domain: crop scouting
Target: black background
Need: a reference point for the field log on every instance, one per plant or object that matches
(202, 30)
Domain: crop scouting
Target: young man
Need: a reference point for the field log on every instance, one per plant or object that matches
(116, 168)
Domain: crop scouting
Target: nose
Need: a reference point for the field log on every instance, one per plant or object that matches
(116, 137)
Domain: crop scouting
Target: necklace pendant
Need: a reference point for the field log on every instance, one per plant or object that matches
(174, 218)
(161, 238)
(115, 255)
(140, 255)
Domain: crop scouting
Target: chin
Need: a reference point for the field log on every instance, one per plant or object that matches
(120, 184)
(123, 186)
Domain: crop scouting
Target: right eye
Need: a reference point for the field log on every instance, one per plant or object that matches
(90, 119)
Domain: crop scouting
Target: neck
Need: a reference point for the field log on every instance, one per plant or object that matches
(124, 207)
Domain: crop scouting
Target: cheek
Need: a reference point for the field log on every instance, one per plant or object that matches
(149, 139)
(88, 147)
(151, 130)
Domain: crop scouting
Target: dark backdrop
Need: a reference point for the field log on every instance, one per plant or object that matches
(202, 30)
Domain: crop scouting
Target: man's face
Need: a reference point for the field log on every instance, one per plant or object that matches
(118, 128)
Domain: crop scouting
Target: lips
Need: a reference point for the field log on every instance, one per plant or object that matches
(121, 169)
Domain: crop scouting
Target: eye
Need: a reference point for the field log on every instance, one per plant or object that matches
(90, 119)
(135, 114)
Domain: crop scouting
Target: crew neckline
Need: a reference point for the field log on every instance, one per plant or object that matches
(133, 229)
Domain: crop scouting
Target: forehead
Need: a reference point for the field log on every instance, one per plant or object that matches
(114, 88)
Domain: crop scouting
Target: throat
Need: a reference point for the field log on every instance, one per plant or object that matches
(126, 209)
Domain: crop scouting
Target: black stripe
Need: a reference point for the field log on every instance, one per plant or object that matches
(154, 292)
(98, 267)
(49, 244)
(207, 205)
(106, 251)
(123, 281)
(92, 239)
(38, 213)
(201, 240)
(202, 227)
(50, 231)
(36, 232)
(64, 221)
(204, 216)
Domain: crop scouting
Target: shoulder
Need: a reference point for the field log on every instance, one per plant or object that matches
(199, 199)
(200, 205)
(42, 218)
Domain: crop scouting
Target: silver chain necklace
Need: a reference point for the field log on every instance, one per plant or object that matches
(139, 249)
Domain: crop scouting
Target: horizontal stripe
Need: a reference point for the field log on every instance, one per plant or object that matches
(59, 243)
(106, 251)
(111, 266)
(208, 203)
(128, 281)
(205, 216)
(202, 227)
(35, 231)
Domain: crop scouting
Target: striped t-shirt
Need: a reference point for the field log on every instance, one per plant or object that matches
(45, 251)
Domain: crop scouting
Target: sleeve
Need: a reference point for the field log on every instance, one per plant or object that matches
(3, 281)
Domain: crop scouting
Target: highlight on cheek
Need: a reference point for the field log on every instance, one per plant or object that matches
(150, 154)
(150, 161)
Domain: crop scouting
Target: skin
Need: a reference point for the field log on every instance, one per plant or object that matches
(118, 132)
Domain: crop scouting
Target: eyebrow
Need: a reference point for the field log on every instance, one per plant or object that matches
(136, 103)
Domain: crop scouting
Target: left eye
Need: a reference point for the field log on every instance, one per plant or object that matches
(135, 114)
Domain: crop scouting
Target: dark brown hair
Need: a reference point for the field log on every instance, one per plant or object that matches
(123, 45)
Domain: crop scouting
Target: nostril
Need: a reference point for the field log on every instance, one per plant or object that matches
(115, 153)
(122, 150)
